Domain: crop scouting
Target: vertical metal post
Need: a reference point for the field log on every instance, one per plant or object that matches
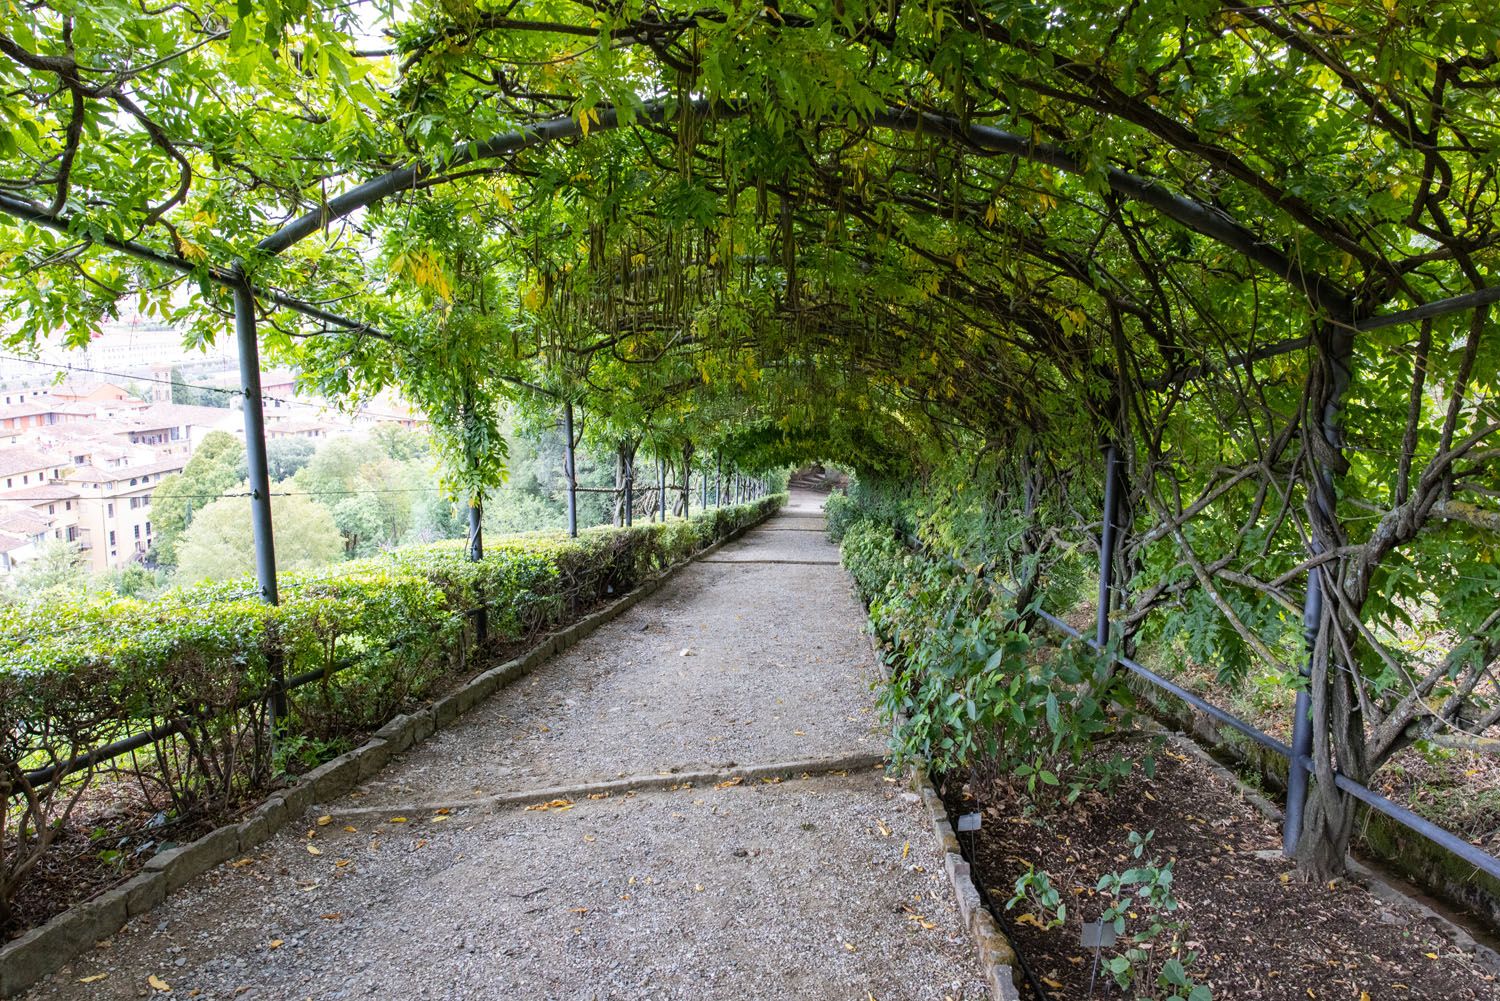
(1107, 541)
(661, 488)
(570, 469)
(703, 491)
(687, 477)
(476, 555)
(719, 480)
(1302, 730)
(260, 477)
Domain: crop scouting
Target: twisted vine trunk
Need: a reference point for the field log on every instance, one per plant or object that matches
(1337, 725)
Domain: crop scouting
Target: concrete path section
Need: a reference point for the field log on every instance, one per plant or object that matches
(446, 876)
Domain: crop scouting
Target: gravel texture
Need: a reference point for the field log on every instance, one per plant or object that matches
(827, 886)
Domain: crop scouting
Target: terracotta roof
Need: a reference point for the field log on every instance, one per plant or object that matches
(54, 491)
(19, 459)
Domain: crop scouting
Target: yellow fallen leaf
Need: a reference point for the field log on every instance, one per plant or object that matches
(241, 863)
(314, 850)
(350, 829)
(342, 862)
(905, 851)
(324, 820)
(698, 887)
(589, 838)
(850, 946)
(885, 831)
(598, 795)
(578, 910)
(443, 811)
(157, 983)
(556, 804)
(737, 780)
(439, 820)
(1430, 955)
(1364, 996)
(277, 943)
(332, 916)
(398, 820)
(798, 733)
(1056, 985)
(94, 979)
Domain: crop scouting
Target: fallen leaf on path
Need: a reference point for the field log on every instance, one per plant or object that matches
(439, 820)
(737, 780)
(398, 820)
(885, 831)
(351, 829)
(578, 910)
(556, 804)
(94, 979)
(342, 862)
(324, 820)
(442, 811)
(314, 850)
(241, 863)
(157, 983)
(850, 947)
(1054, 984)
(332, 916)
(277, 943)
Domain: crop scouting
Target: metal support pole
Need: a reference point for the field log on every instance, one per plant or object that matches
(687, 476)
(719, 480)
(1107, 541)
(1302, 735)
(476, 555)
(260, 476)
(661, 488)
(570, 469)
(703, 491)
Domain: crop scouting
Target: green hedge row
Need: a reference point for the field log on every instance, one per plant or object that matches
(385, 631)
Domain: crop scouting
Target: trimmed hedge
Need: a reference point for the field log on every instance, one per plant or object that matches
(385, 632)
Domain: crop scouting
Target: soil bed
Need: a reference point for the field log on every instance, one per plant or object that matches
(1260, 931)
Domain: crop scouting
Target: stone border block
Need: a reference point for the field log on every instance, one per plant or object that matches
(397, 733)
(332, 778)
(374, 754)
(46, 948)
(178, 865)
(144, 892)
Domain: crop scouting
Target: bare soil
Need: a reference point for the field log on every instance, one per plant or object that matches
(1262, 932)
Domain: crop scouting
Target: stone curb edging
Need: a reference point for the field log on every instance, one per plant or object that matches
(48, 947)
(992, 947)
(997, 957)
(800, 767)
(1378, 885)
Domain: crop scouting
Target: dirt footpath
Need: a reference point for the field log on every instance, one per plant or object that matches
(823, 884)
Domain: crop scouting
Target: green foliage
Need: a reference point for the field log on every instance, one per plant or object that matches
(185, 393)
(219, 544)
(216, 466)
(1153, 960)
(967, 688)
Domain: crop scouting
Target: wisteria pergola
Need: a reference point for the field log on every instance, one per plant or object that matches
(1245, 248)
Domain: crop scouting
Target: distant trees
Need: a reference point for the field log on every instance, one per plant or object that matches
(215, 468)
(218, 545)
(286, 457)
(58, 564)
(196, 396)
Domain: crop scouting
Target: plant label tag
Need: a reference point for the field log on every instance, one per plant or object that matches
(968, 822)
(1098, 934)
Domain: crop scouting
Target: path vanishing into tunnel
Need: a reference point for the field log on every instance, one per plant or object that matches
(689, 803)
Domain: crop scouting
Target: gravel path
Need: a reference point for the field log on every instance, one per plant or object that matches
(824, 886)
